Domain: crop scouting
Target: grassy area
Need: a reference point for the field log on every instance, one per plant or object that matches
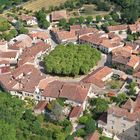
(3, 1)
(91, 10)
(2, 19)
(35, 5)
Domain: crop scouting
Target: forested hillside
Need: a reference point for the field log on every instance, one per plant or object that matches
(4, 4)
(19, 123)
(129, 9)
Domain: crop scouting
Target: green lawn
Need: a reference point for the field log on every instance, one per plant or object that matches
(91, 10)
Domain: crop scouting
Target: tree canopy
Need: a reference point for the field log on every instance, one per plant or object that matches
(19, 123)
(41, 17)
(71, 60)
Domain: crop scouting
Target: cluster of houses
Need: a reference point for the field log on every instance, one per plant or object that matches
(123, 121)
(20, 74)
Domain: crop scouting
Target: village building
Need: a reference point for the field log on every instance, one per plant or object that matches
(19, 43)
(124, 121)
(85, 31)
(40, 35)
(102, 41)
(10, 56)
(99, 76)
(23, 82)
(29, 20)
(62, 36)
(4, 66)
(3, 45)
(136, 77)
(31, 54)
(94, 136)
(75, 94)
(117, 28)
(133, 28)
(75, 113)
(124, 60)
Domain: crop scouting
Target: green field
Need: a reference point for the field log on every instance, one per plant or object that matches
(36, 5)
(90, 10)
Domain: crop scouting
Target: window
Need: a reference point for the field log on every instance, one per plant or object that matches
(135, 134)
(123, 125)
(136, 128)
(112, 121)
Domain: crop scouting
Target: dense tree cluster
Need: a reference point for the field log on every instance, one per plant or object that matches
(71, 60)
(130, 9)
(89, 126)
(4, 24)
(98, 106)
(41, 17)
(5, 4)
(19, 123)
(9, 31)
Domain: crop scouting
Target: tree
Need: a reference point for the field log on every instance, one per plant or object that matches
(72, 21)
(89, 19)
(83, 119)
(56, 109)
(107, 17)
(132, 88)
(19, 123)
(13, 32)
(7, 131)
(80, 132)
(4, 25)
(41, 17)
(120, 99)
(105, 27)
(23, 30)
(130, 37)
(90, 126)
(71, 60)
(62, 22)
(115, 16)
(7, 36)
(81, 20)
(98, 18)
(100, 105)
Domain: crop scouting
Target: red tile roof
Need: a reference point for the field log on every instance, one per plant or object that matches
(76, 111)
(40, 35)
(117, 28)
(96, 76)
(41, 105)
(72, 91)
(8, 54)
(126, 109)
(94, 136)
(24, 78)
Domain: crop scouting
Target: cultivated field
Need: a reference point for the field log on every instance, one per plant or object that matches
(38, 4)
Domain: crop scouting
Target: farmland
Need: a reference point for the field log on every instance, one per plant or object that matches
(38, 4)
